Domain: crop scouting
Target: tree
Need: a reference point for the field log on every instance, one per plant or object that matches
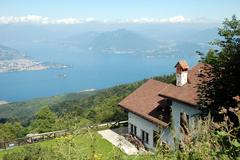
(222, 81)
(10, 131)
(44, 121)
(211, 57)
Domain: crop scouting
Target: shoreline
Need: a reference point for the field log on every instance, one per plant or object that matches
(20, 65)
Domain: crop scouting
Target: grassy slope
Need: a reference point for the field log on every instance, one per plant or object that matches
(82, 147)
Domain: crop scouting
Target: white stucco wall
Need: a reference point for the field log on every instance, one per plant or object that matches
(181, 78)
(149, 127)
(177, 108)
(166, 135)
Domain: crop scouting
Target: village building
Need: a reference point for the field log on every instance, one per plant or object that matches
(154, 105)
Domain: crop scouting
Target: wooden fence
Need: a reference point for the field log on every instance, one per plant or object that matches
(32, 138)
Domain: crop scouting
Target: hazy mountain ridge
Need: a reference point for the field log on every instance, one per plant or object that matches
(111, 38)
(122, 40)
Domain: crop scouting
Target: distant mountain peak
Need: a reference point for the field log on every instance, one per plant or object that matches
(122, 40)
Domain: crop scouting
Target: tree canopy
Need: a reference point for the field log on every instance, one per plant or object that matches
(44, 121)
(223, 77)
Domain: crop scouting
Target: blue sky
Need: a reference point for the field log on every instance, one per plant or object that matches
(212, 10)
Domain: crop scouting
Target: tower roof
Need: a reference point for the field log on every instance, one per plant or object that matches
(183, 64)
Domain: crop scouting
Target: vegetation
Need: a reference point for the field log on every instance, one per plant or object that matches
(9, 131)
(67, 111)
(222, 81)
(203, 142)
(220, 90)
(44, 121)
(86, 146)
(25, 111)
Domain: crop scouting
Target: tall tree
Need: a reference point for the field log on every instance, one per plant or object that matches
(222, 81)
(44, 121)
(10, 131)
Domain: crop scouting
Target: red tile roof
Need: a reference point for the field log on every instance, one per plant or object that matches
(144, 100)
(149, 97)
(188, 92)
(183, 64)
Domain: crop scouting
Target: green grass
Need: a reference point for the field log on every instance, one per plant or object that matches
(83, 145)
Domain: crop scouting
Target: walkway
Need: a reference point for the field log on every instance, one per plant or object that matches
(119, 141)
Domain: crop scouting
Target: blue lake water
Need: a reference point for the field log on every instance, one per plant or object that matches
(87, 71)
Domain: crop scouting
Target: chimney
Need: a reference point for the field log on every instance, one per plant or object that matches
(181, 73)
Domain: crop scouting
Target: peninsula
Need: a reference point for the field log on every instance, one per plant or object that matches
(11, 61)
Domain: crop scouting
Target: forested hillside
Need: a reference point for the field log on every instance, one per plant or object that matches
(67, 111)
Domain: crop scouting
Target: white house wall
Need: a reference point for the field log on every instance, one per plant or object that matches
(166, 135)
(149, 127)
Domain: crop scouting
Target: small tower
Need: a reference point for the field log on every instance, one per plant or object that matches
(181, 73)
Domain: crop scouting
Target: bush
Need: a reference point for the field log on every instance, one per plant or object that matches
(33, 152)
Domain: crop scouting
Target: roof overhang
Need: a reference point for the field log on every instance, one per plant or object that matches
(153, 120)
(194, 105)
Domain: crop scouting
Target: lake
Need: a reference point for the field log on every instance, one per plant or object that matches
(86, 71)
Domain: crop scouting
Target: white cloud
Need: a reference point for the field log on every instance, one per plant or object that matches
(41, 20)
(66, 21)
(173, 20)
(35, 19)
(24, 19)
(176, 19)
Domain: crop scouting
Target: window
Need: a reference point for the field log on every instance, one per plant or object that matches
(133, 129)
(144, 136)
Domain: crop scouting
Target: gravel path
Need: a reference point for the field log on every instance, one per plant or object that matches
(119, 141)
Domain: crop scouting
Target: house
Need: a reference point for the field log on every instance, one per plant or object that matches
(153, 105)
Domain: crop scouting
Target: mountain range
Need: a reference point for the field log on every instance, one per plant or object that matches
(106, 37)
(123, 41)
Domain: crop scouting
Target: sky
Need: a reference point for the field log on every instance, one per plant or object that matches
(124, 11)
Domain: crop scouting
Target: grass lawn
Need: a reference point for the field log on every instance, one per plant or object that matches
(82, 146)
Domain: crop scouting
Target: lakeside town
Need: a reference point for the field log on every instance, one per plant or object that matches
(25, 64)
